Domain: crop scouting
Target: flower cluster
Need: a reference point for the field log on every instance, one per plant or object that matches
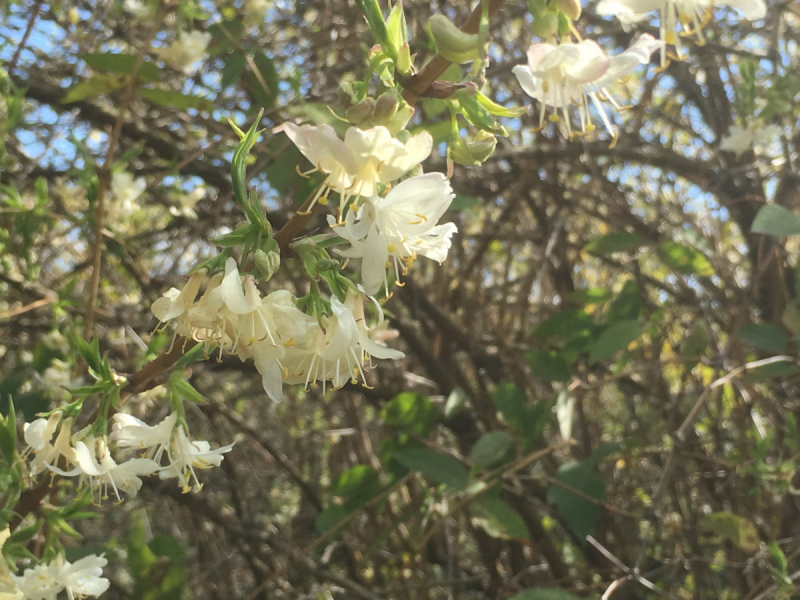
(186, 52)
(558, 75)
(45, 581)
(93, 463)
(741, 139)
(285, 343)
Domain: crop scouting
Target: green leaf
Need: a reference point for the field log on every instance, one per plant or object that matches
(264, 85)
(613, 339)
(396, 29)
(499, 110)
(548, 366)
(242, 234)
(528, 421)
(175, 99)
(564, 324)
(621, 241)
(439, 467)
(8, 434)
(461, 202)
(354, 478)
(498, 518)
(239, 164)
(578, 514)
(476, 114)
(225, 36)
(372, 12)
(96, 85)
(491, 448)
(232, 69)
(121, 64)
(410, 411)
(545, 593)
(764, 336)
(627, 304)
(590, 296)
(684, 260)
(774, 219)
(185, 389)
(328, 518)
(738, 530)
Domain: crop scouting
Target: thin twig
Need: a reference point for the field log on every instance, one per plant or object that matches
(37, 6)
(104, 176)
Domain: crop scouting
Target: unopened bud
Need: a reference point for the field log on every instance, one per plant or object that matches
(545, 25)
(358, 113)
(571, 8)
(327, 264)
(400, 119)
(346, 94)
(386, 105)
(452, 43)
(474, 152)
(404, 61)
(267, 263)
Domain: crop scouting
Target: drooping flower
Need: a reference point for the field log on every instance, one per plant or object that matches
(186, 52)
(102, 471)
(186, 455)
(689, 15)
(390, 232)
(130, 432)
(176, 302)
(559, 75)
(741, 139)
(80, 579)
(338, 353)
(356, 165)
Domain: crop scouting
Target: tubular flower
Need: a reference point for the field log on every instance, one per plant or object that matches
(356, 165)
(390, 232)
(338, 353)
(689, 15)
(186, 455)
(80, 579)
(568, 73)
(130, 432)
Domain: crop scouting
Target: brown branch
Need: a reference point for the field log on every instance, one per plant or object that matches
(421, 84)
(37, 7)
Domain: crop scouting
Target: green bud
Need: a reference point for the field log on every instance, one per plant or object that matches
(545, 25)
(571, 8)
(327, 264)
(404, 61)
(537, 7)
(400, 119)
(385, 106)
(267, 263)
(358, 113)
(310, 265)
(451, 42)
(472, 153)
(564, 24)
(346, 94)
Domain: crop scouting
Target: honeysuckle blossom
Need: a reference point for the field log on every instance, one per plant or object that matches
(102, 471)
(338, 353)
(186, 455)
(574, 73)
(741, 139)
(38, 435)
(187, 204)
(689, 15)
(125, 190)
(390, 232)
(186, 52)
(130, 432)
(57, 377)
(175, 302)
(356, 165)
(9, 590)
(139, 9)
(80, 579)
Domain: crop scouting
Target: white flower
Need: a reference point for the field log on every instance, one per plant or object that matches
(175, 302)
(38, 435)
(9, 590)
(185, 455)
(338, 353)
(740, 139)
(187, 204)
(80, 579)
(56, 377)
(125, 190)
(399, 227)
(56, 341)
(187, 51)
(356, 165)
(106, 472)
(690, 15)
(130, 432)
(139, 9)
(567, 73)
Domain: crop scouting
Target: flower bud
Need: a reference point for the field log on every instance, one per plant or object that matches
(346, 94)
(400, 119)
(571, 8)
(545, 25)
(404, 61)
(451, 42)
(386, 105)
(327, 264)
(472, 153)
(267, 263)
(358, 113)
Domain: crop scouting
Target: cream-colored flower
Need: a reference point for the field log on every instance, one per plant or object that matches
(186, 52)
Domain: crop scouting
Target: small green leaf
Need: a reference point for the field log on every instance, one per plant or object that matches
(239, 163)
(590, 296)
(121, 64)
(545, 593)
(476, 114)
(548, 366)
(96, 85)
(410, 411)
(175, 99)
(396, 29)
(499, 110)
(738, 530)
(498, 518)
(684, 260)
(621, 241)
(764, 336)
(491, 448)
(441, 468)
(774, 219)
(613, 339)
(372, 12)
(578, 514)
(232, 69)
